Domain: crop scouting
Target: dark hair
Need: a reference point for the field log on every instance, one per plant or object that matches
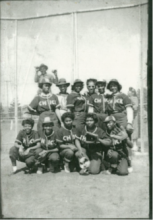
(73, 86)
(131, 89)
(29, 121)
(91, 80)
(67, 115)
(92, 115)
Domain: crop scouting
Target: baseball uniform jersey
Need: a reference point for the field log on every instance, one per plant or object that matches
(77, 101)
(27, 140)
(98, 131)
(97, 101)
(65, 136)
(48, 142)
(117, 103)
(42, 103)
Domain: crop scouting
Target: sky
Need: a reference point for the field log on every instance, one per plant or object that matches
(110, 44)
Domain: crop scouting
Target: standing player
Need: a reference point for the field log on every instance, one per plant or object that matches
(49, 154)
(93, 140)
(46, 104)
(119, 105)
(97, 103)
(41, 73)
(117, 154)
(62, 95)
(67, 138)
(26, 147)
(76, 103)
(91, 86)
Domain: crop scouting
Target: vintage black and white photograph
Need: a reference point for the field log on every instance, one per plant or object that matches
(74, 109)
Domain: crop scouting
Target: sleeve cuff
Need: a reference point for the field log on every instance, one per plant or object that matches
(70, 105)
(91, 105)
(18, 142)
(58, 106)
(128, 105)
(59, 141)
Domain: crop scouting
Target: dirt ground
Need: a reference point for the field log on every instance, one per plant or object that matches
(64, 195)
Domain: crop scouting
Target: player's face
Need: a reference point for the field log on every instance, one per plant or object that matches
(90, 123)
(101, 88)
(91, 87)
(78, 87)
(48, 128)
(110, 125)
(68, 123)
(63, 89)
(46, 88)
(43, 70)
(27, 128)
(113, 88)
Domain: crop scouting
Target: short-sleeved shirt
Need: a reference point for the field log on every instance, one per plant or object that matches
(77, 101)
(65, 136)
(29, 140)
(41, 77)
(98, 131)
(97, 101)
(117, 103)
(42, 103)
(63, 100)
(48, 142)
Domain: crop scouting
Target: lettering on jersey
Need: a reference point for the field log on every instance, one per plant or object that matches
(83, 138)
(115, 142)
(51, 102)
(42, 141)
(24, 141)
(97, 100)
(110, 101)
(81, 98)
(51, 142)
(69, 138)
(31, 141)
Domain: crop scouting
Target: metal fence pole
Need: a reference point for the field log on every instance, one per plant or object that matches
(16, 79)
(141, 85)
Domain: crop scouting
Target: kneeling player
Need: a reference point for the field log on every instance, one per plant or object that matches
(26, 147)
(117, 155)
(69, 144)
(93, 140)
(49, 155)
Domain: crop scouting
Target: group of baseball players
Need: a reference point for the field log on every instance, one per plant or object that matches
(88, 133)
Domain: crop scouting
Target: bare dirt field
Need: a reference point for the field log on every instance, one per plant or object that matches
(64, 195)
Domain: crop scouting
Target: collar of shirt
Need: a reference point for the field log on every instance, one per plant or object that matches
(116, 94)
(90, 131)
(47, 96)
(49, 135)
(63, 93)
(100, 94)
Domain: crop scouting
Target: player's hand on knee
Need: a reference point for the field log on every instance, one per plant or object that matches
(27, 151)
(21, 150)
(109, 153)
(72, 147)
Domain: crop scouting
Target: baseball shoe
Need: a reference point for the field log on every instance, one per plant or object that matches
(15, 169)
(40, 170)
(84, 172)
(130, 169)
(67, 168)
(106, 172)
